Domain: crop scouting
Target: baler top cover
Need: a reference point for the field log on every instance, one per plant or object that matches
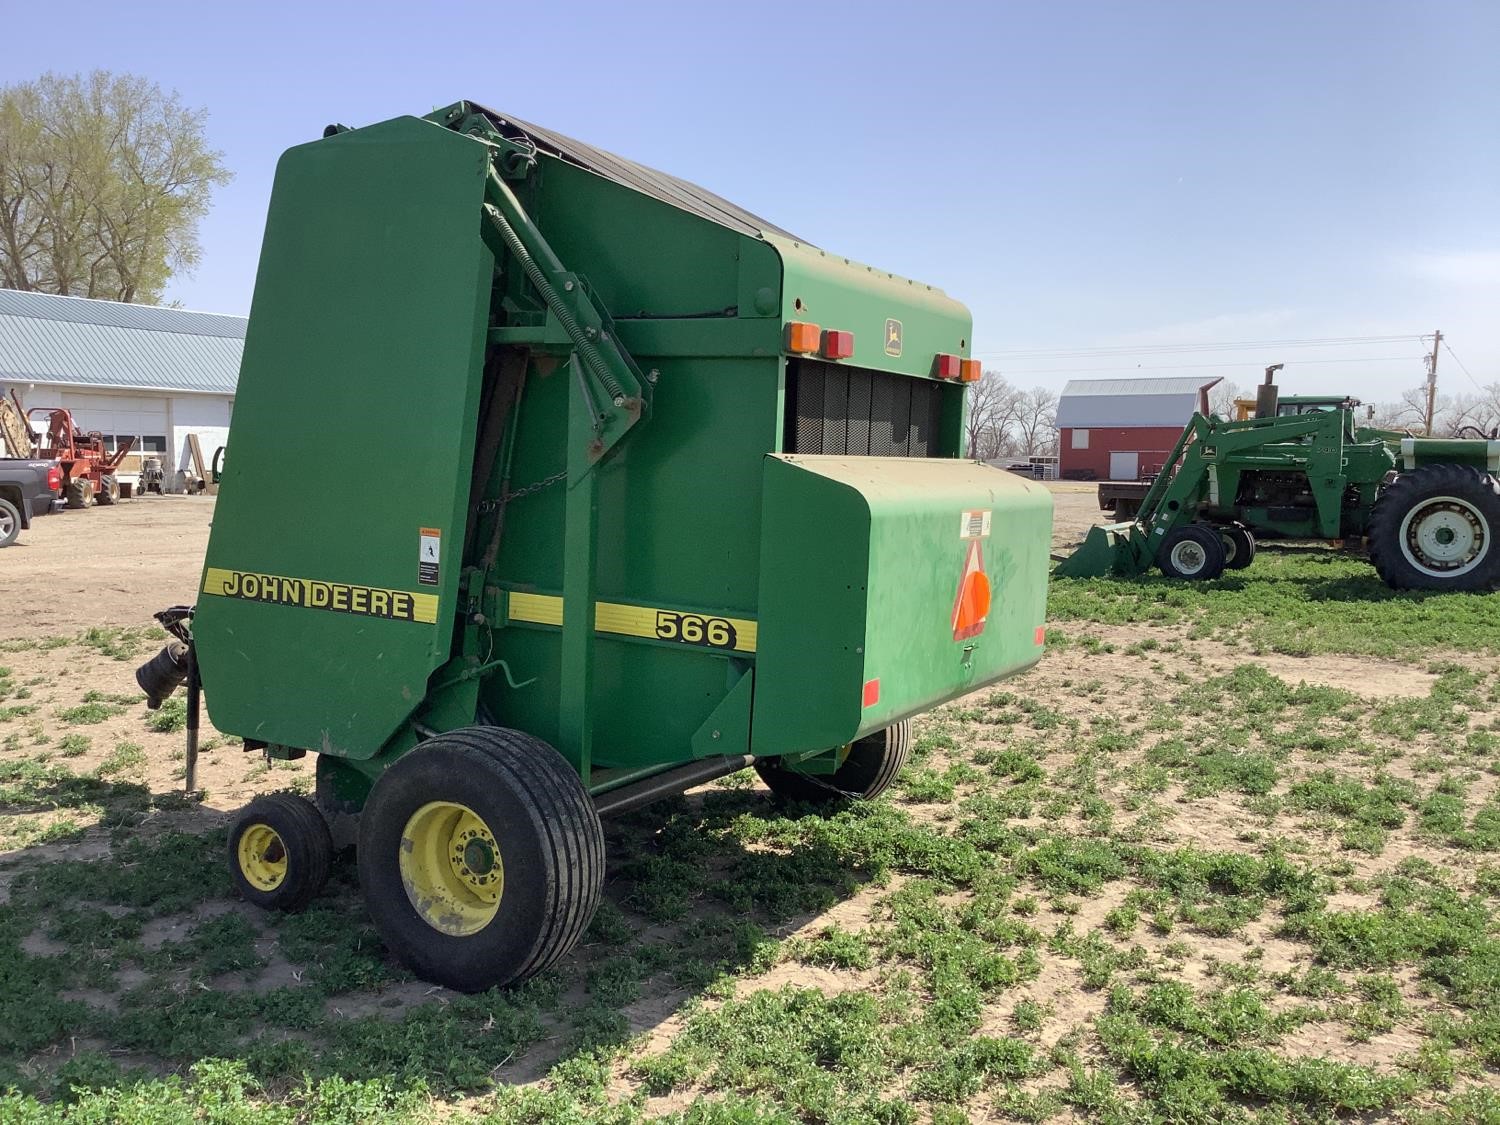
(648, 181)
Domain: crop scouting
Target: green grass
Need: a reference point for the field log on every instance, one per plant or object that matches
(89, 713)
(1048, 915)
(1299, 602)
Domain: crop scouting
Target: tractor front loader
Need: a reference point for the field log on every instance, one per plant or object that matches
(1430, 508)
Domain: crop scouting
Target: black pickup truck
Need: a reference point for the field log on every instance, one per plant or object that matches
(27, 489)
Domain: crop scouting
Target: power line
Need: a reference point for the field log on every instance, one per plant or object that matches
(1237, 345)
(1195, 366)
(1449, 349)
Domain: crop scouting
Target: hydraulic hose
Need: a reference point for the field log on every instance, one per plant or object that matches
(585, 346)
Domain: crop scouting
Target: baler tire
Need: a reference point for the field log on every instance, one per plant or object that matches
(1206, 539)
(292, 825)
(532, 813)
(77, 493)
(109, 490)
(1239, 546)
(10, 523)
(868, 771)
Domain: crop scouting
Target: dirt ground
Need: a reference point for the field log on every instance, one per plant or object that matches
(103, 566)
(74, 704)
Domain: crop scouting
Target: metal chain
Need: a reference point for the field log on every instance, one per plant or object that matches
(486, 506)
(545, 482)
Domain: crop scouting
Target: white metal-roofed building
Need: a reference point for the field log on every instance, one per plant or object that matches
(153, 373)
(1122, 429)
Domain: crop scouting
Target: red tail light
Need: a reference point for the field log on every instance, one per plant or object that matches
(946, 366)
(54, 479)
(837, 345)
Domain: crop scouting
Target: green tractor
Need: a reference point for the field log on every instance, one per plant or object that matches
(1306, 469)
(679, 493)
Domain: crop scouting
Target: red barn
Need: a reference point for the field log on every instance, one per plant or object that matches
(1122, 429)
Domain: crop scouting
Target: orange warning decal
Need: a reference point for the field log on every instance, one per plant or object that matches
(972, 606)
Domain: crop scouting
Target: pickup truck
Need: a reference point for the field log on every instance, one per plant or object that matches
(27, 489)
(1123, 497)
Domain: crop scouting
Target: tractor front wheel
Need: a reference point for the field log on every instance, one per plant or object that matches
(109, 490)
(481, 857)
(280, 852)
(871, 765)
(1435, 528)
(1239, 546)
(1194, 552)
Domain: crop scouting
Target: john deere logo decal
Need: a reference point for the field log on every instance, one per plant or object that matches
(893, 337)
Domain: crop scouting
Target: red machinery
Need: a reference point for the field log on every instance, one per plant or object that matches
(88, 468)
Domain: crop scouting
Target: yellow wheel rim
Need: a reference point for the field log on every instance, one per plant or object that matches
(262, 857)
(451, 868)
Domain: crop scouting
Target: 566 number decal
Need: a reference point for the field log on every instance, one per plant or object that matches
(695, 629)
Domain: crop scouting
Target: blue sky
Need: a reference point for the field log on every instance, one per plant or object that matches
(1083, 175)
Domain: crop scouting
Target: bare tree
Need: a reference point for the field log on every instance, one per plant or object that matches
(1221, 398)
(103, 180)
(1465, 415)
(1392, 416)
(1468, 415)
(1036, 423)
(991, 418)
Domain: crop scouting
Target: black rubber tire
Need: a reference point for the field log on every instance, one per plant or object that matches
(109, 490)
(868, 771)
(76, 493)
(1207, 539)
(308, 847)
(10, 523)
(1239, 546)
(1411, 491)
(548, 836)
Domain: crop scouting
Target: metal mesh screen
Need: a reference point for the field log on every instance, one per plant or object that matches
(851, 410)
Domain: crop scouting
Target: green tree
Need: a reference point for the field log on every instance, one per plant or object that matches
(103, 179)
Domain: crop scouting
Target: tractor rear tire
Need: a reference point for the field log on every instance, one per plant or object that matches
(10, 523)
(109, 490)
(1438, 528)
(481, 857)
(280, 852)
(1194, 553)
(1239, 546)
(868, 771)
(77, 493)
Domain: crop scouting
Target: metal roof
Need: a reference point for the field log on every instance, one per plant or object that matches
(73, 341)
(659, 185)
(1129, 403)
(1190, 384)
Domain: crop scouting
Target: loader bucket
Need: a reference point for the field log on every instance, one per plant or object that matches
(1107, 549)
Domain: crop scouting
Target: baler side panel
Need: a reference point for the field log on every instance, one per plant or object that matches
(861, 564)
(645, 258)
(678, 528)
(368, 320)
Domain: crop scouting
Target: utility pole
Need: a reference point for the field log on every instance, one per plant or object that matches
(1437, 338)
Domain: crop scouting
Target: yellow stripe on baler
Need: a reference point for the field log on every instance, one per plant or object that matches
(697, 630)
